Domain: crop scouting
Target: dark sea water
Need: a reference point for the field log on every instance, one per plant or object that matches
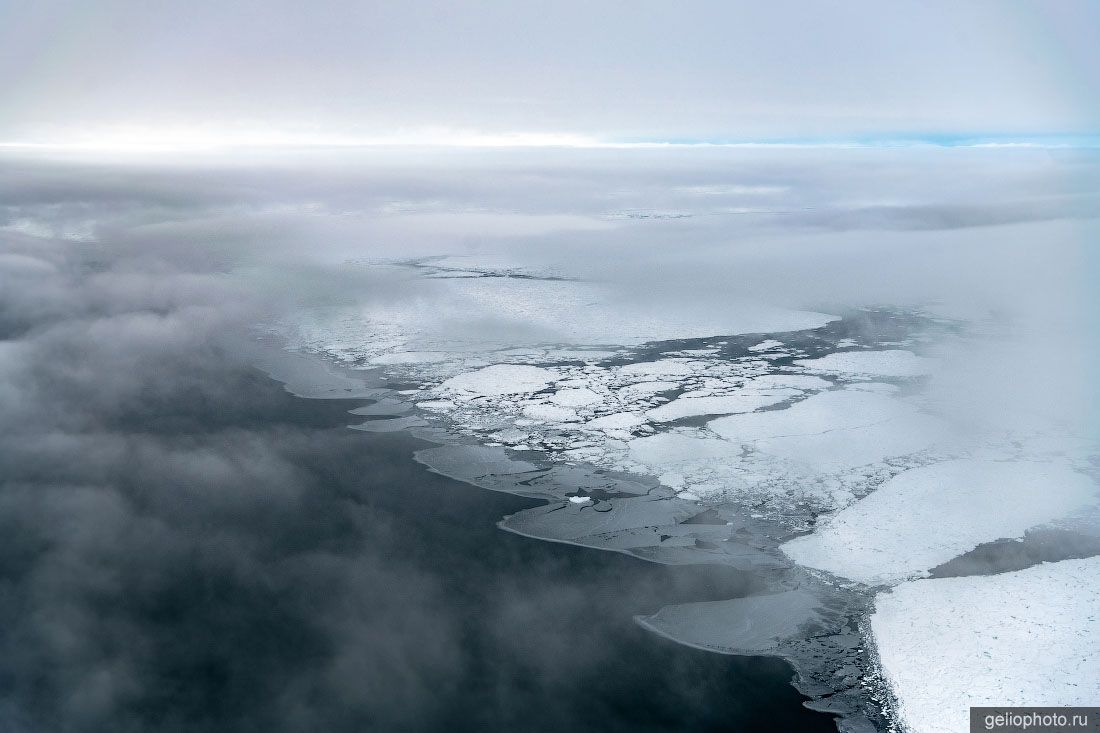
(245, 562)
(459, 626)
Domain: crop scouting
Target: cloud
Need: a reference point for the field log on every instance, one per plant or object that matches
(174, 558)
(187, 547)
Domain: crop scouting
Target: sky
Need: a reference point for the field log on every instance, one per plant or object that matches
(246, 71)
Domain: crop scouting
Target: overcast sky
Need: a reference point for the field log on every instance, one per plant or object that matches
(609, 70)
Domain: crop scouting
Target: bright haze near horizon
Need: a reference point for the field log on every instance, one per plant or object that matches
(115, 71)
(685, 241)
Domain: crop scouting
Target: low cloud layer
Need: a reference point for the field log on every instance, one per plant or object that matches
(187, 547)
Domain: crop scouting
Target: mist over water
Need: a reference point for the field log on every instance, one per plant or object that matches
(191, 548)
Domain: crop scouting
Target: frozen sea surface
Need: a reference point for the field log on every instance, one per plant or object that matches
(926, 516)
(1026, 638)
(475, 306)
(798, 447)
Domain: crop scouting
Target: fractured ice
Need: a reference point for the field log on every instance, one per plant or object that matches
(792, 445)
(926, 516)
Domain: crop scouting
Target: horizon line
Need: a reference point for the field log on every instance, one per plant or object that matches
(189, 141)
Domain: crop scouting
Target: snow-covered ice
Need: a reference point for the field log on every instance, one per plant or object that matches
(788, 381)
(501, 379)
(617, 421)
(835, 430)
(577, 397)
(550, 413)
(641, 390)
(891, 363)
(1030, 637)
(746, 401)
(666, 449)
(767, 345)
(928, 515)
(662, 368)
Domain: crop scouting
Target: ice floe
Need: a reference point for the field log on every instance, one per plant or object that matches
(891, 363)
(577, 397)
(1026, 638)
(501, 379)
(833, 431)
(689, 406)
(550, 413)
(662, 368)
(928, 515)
(617, 421)
(766, 345)
(752, 625)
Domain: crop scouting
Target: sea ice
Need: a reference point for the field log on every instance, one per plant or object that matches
(788, 381)
(879, 387)
(746, 401)
(891, 363)
(410, 357)
(662, 368)
(640, 390)
(926, 516)
(1029, 637)
(501, 379)
(766, 345)
(666, 449)
(832, 431)
(581, 397)
(751, 625)
(550, 413)
(616, 421)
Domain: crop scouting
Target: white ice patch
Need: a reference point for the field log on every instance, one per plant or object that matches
(662, 368)
(833, 431)
(788, 381)
(436, 405)
(617, 421)
(1024, 638)
(879, 387)
(501, 379)
(747, 401)
(766, 345)
(641, 390)
(550, 413)
(892, 363)
(576, 397)
(667, 449)
(926, 516)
